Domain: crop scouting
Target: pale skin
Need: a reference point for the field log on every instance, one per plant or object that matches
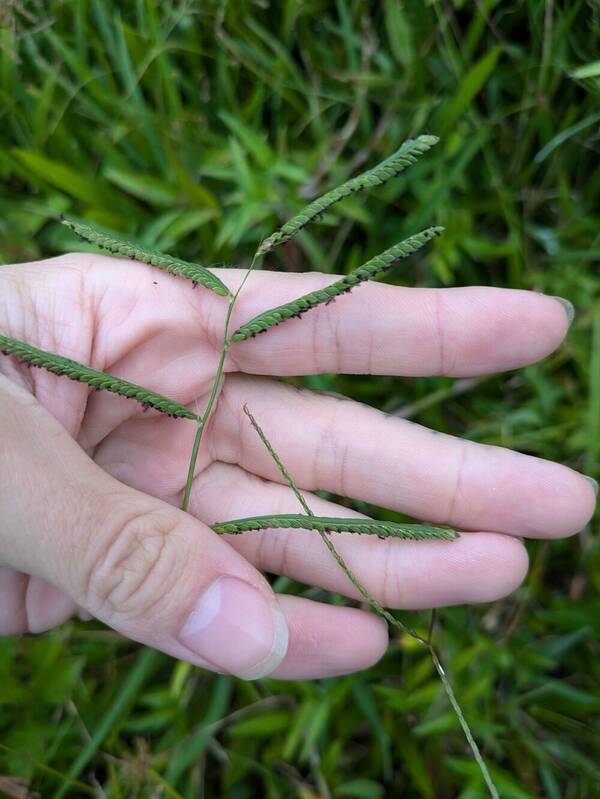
(91, 485)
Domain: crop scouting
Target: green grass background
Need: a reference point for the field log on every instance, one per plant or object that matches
(198, 127)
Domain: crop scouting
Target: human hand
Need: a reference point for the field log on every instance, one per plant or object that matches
(91, 485)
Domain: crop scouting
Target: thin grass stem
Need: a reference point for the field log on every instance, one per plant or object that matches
(385, 614)
(325, 538)
(478, 757)
(203, 419)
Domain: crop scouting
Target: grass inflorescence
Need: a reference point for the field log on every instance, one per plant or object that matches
(381, 529)
(404, 157)
(116, 245)
(375, 267)
(101, 381)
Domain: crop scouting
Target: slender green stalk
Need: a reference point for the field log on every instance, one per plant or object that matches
(203, 419)
(383, 612)
(432, 620)
(325, 538)
(478, 757)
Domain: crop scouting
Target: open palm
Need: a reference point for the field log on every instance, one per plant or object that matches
(78, 537)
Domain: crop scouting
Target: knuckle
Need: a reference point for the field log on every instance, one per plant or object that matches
(134, 565)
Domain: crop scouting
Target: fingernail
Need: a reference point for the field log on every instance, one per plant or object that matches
(569, 308)
(593, 482)
(237, 628)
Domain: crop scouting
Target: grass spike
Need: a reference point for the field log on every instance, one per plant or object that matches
(410, 532)
(58, 365)
(129, 249)
(376, 266)
(405, 156)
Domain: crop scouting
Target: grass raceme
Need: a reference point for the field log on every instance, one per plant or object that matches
(382, 529)
(101, 381)
(373, 268)
(405, 156)
(199, 275)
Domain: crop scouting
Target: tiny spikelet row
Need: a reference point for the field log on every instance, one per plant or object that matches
(407, 155)
(409, 532)
(129, 249)
(376, 266)
(98, 380)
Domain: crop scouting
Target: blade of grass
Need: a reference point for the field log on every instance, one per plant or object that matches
(51, 772)
(144, 666)
(565, 135)
(190, 750)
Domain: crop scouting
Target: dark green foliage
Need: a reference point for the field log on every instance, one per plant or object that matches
(376, 266)
(130, 249)
(409, 532)
(199, 133)
(99, 380)
(408, 154)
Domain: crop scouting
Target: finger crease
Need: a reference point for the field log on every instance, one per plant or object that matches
(440, 332)
(457, 483)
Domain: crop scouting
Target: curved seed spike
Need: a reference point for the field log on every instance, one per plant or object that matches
(129, 249)
(99, 380)
(404, 157)
(411, 532)
(376, 266)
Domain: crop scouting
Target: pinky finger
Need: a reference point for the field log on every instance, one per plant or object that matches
(30, 604)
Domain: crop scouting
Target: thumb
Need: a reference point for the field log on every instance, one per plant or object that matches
(143, 567)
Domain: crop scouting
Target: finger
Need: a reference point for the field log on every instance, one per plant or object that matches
(162, 341)
(326, 641)
(145, 568)
(356, 451)
(148, 570)
(478, 567)
(391, 330)
(13, 586)
(31, 605)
